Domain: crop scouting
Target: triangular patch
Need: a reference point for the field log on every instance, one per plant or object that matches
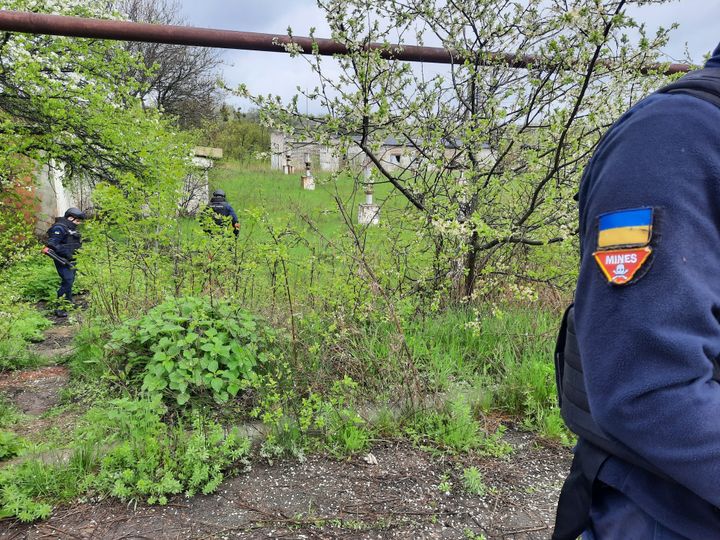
(620, 265)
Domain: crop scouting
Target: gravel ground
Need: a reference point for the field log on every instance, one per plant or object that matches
(395, 494)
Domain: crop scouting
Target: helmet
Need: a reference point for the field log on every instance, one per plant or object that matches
(219, 193)
(74, 213)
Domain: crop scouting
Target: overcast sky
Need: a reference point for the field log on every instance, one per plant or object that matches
(275, 73)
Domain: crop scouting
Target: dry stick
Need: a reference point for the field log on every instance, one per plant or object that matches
(526, 530)
(48, 526)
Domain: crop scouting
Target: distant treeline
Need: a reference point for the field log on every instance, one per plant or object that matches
(239, 134)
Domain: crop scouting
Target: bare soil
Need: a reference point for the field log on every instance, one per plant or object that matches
(395, 492)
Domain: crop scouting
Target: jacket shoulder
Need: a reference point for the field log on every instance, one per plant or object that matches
(57, 229)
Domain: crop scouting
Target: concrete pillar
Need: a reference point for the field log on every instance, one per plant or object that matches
(307, 181)
(368, 213)
(288, 167)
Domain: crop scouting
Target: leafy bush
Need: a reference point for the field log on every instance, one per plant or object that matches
(190, 346)
(473, 481)
(326, 422)
(20, 324)
(10, 445)
(151, 460)
(453, 427)
(35, 279)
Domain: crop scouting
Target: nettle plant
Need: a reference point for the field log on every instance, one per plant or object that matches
(192, 348)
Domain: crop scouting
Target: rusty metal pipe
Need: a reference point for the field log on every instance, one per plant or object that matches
(60, 25)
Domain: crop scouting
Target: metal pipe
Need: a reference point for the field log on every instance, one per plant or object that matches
(60, 25)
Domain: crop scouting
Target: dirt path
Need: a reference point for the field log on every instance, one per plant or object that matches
(399, 492)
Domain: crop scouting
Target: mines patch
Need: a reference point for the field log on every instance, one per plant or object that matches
(620, 265)
(625, 228)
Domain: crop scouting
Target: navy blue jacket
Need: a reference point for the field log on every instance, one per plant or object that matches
(649, 347)
(64, 238)
(223, 208)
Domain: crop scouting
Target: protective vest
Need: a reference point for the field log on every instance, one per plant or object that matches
(66, 243)
(572, 395)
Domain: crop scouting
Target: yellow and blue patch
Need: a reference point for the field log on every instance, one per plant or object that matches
(623, 240)
(625, 228)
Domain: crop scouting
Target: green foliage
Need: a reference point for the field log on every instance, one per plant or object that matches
(29, 490)
(75, 100)
(241, 136)
(87, 359)
(10, 445)
(22, 490)
(16, 234)
(33, 279)
(8, 413)
(150, 460)
(345, 431)
(445, 485)
(454, 428)
(20, 324)
(297, 424)
(193, 347)
(473, 481)
(516, 350)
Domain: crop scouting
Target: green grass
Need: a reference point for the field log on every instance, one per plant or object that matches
(281, 197)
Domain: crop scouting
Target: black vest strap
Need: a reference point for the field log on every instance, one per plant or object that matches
(573, 511)
(702, 84)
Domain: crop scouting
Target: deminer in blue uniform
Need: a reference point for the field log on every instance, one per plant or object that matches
(222, 213)
(62, 243)
(639, 364)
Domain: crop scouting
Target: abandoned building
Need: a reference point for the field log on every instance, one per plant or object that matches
(290, 154)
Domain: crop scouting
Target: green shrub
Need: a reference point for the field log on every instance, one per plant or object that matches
(326, 422)
(29, 490)
(36, 279)
(150, 460)
(453, 427)
(10, 445)
(193, 347)
(473, 481)
(87, 360)
(20, 325)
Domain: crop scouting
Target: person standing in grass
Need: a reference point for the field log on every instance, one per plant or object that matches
(222, 212)
(64, 240)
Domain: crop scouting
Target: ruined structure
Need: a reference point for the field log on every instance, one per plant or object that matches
(288, 154)
(54, 194)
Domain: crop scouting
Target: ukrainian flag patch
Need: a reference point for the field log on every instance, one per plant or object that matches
(625, 228)
(623, 240)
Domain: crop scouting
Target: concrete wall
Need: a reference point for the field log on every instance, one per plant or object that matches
(323, 158)
(54, 198)
(326, 158)
(55, 194)
(196, 191)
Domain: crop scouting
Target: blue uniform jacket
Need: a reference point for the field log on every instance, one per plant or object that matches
(63, 238)
(220, 206)
(649, 347)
